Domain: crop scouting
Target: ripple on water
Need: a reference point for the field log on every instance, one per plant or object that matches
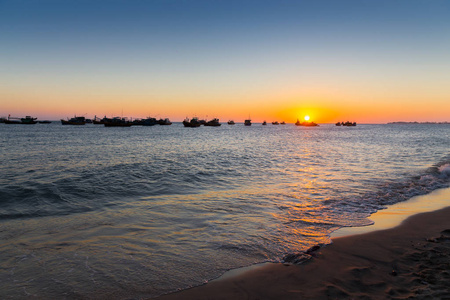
(142, 211)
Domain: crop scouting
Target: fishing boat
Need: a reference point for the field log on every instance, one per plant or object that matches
(98, 121)
(194, 122)
(45, 122)
(118, 122)
(214, 122)
(27, 120)
(166, 121)
(231, 122)
(248, 122)
(283, 123)
(275, 123)
(145, 122)
(74, 121)
(264, 123)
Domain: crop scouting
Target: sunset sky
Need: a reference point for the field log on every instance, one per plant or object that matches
(364, 61)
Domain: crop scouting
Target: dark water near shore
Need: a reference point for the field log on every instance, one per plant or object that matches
(120, 213)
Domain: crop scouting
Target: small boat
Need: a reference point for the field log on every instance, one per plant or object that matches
(248, 122)
(264, 123)
(194, 122)
(98, 121)
(118, 122)
(305, 123)
(27, 120)
(149, 122)
(275, 123)
(145, 122)
(283, 123)
(45, 122)
(348, 123)
(214, 122)
(338, 124)
(166, 121)
(74, 121)
(231, 122)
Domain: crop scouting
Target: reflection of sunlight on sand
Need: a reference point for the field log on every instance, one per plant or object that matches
(395, 214)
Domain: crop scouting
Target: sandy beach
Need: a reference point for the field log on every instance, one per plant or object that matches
(410, 260)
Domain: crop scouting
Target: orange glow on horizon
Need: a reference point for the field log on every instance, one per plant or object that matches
(57, 104)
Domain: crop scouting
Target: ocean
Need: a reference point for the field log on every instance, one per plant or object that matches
(88, 212)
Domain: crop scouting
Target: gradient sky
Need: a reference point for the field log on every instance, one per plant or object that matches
(364, 61)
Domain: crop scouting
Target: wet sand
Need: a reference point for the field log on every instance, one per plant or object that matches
(410, 260)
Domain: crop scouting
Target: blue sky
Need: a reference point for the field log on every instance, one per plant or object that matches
(222, 54)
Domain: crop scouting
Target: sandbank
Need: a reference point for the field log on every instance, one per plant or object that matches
(409, 260)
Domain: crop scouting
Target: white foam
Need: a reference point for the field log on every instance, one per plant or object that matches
(394, 214)
(445, 170)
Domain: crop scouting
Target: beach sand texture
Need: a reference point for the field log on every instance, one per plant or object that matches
(410, 260)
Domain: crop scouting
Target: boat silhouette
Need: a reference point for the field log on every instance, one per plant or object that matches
(194, 122)
(214, 122)
(74, 121)
(305, 123)
(27, 120)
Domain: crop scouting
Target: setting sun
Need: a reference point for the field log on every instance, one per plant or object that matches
(306, 118)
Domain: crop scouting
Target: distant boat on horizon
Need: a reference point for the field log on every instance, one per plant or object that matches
(348, 123)
(145, 122)
(74, 121)
(194, 122)
(264, 123)
(248, 122)
(99, 121)
(214, 122)
(305, 123)
(231, 122)
(28, 120)
(117, 122)
(165, 121)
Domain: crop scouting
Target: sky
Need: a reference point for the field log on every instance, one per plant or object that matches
(364, 61)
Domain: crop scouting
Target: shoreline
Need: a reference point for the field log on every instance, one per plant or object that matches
(384, 260)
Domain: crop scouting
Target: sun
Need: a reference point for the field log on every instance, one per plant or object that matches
(306, 118)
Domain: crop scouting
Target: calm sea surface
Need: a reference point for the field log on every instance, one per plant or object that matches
(127, 213)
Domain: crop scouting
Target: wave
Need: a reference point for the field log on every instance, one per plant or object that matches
(435, 177)
(444, 170)
(70, 191)
(397, 190)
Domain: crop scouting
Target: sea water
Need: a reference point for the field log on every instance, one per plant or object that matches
(122, 213)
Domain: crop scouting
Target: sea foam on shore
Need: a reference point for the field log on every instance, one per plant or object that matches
(410, 260)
